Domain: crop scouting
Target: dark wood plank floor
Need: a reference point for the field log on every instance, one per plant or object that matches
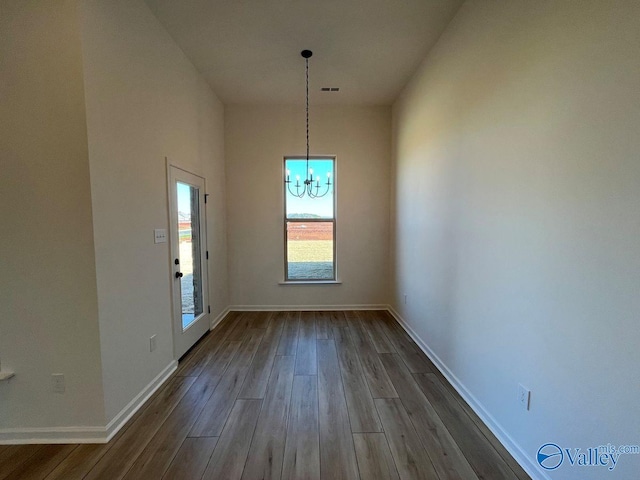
(290, 395)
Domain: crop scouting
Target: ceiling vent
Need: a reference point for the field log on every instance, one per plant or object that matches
(330, 89)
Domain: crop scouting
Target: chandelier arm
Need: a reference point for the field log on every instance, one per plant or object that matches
(297, 194)
(325, 192)
(317, 194)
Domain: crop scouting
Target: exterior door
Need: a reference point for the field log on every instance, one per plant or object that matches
(188, 259)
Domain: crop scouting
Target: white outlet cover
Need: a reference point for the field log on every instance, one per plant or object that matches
(160, 235)
(57, 383)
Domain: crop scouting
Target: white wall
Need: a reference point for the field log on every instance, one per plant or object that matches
(257, 138)
(145, 101)
(48, 299)
(517, 217)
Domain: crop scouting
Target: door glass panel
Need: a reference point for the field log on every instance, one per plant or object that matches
(190, 252)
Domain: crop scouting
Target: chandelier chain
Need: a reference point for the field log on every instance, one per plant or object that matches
(307, 108)
(307, 188)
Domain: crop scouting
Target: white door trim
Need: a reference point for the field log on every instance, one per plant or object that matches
(183, 339)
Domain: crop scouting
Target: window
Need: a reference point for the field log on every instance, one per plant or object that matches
(310, 223)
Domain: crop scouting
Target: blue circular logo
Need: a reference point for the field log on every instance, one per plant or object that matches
(550, 456)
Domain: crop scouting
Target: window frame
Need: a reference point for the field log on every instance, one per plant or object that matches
(333, 220)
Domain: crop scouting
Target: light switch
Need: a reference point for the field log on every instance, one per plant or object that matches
(160, 235)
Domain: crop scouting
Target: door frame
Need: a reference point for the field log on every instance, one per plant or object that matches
(184, 339)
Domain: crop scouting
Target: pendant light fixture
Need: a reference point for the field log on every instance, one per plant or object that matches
(310, 185)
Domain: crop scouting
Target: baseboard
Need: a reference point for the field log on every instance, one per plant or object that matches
(218, 319)
(304, 308)
(139, 400)
(501, 434)
(21, 436)
(91, 434)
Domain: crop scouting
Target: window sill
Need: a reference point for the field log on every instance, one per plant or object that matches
(310, 282)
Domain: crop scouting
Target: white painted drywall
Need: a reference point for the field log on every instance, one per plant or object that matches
(256, 140)
(145, 101)
(517, 217)
(48, 298)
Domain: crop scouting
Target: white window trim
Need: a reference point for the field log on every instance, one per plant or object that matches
(334, 220)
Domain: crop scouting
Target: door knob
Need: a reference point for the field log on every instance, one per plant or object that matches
(179, 274)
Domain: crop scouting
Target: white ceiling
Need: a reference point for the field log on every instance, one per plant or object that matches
(249, 50)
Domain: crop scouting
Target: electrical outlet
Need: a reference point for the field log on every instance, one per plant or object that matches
(160, 235)
(524, 396)
(152, 343)
(57, 383)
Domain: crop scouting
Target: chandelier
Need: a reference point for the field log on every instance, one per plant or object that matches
(311, 185)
